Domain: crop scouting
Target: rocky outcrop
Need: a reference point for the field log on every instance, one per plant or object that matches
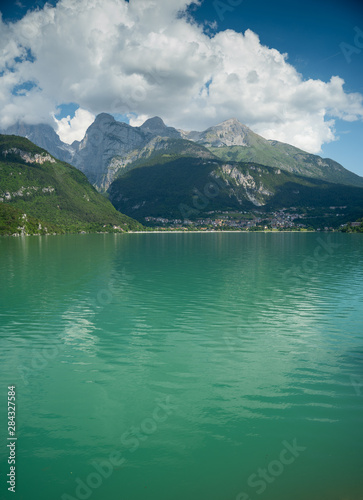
(24, 192)
(252, 188)
(28, 157)
(45, 137)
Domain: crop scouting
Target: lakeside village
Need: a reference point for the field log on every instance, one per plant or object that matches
(285, 219)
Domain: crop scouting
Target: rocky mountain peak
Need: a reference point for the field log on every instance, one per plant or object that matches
(228, 133)
(157, 127)
(104, 118)
(153, 124)
(102, 121)
(231, 121)
(232, 127)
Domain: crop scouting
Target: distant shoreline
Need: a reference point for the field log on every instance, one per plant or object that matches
(228, 231)
(169, 232)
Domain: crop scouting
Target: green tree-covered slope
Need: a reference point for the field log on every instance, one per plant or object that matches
(190, 187)
(39, 194)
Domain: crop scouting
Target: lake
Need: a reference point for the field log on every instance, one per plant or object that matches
(183, 366)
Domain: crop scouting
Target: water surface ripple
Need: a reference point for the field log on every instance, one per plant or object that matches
(193, 357)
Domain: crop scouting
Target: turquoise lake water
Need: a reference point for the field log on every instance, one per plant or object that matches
(183, 366)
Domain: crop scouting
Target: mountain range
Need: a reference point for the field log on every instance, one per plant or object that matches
(111, 148)
(160, 171)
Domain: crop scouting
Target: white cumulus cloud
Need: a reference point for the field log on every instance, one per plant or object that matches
(144, 58)
(72, 129)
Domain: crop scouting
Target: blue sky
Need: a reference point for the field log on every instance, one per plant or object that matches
(314, 34)
(311, 32)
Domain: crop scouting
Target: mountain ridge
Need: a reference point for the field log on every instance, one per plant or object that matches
(110, 148)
